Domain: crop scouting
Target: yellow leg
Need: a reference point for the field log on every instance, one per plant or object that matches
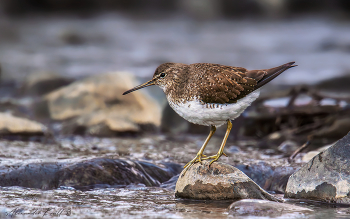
(200, 154)
(221, 150)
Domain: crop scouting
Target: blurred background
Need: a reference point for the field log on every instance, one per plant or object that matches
(47, 44)
(76, 38)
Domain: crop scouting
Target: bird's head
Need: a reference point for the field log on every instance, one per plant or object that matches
(165, 75)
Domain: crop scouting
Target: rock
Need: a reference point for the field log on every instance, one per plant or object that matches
(309, 155)
(269, 177)
(85, 174)
(171, 183)
(264, 208)
(326, 177)
(120, 172)
(219, 181)
(12, 125)
(17, 107)
(96, 106)
(288, 147)
(40, 83)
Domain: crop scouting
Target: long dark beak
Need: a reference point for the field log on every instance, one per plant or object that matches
(148, 83)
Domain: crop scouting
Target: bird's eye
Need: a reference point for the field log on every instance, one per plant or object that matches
(162, 75)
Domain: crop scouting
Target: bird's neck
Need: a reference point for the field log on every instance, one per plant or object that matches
(180, 90)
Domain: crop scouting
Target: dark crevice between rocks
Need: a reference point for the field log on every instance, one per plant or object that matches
(269, 178)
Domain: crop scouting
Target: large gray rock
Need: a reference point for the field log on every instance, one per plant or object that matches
(325, 177)
(96, 104)
(264, 208)
(219, 181)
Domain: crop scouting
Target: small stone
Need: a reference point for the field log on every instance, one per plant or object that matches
(233, 149)
(326, 177)
(10, 124)
(219, 181)
(264, 208)
(288, 147)
(309, 155)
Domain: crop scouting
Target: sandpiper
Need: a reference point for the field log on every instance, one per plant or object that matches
(210, 94)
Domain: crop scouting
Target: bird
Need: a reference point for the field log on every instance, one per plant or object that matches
(210, 94)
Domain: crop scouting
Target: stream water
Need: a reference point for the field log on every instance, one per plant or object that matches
(130, 201)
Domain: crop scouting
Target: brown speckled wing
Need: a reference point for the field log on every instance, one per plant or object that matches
(225, 84)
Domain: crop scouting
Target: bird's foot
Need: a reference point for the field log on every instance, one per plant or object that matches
(214, 157)
(197, 159)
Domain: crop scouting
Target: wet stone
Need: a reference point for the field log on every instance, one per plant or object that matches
(264, 208)
(217, 182)
(171, 183)
(326, 177)
(88, 174)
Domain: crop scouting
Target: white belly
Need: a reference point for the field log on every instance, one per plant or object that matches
(213, 114)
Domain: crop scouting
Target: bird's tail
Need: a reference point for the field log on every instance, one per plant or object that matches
(272, 73)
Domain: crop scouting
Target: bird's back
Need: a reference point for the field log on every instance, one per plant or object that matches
(209, 94)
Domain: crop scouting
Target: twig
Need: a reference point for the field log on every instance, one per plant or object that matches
(297, 151)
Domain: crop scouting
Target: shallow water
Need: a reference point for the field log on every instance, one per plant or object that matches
(131, 202)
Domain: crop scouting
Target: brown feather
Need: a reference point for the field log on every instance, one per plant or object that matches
(228, 84)
(214, 83)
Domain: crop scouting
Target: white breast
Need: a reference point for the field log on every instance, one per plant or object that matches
(213, 114)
